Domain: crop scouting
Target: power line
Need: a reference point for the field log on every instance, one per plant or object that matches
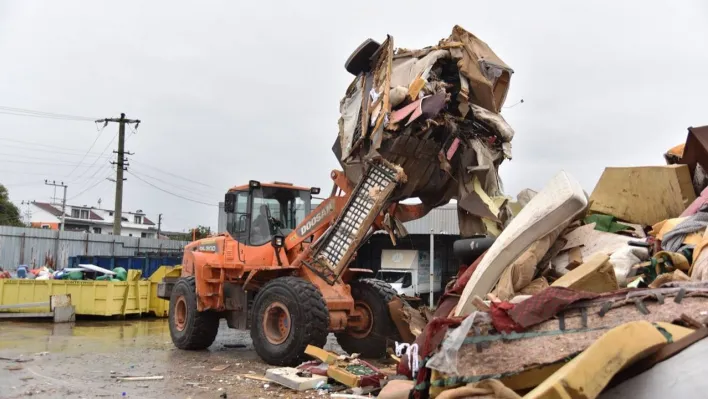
(51, 151)
(172, 174)
(22, 184)
(40, 158)
(169, 192)
(51, 147)
(22, 173)
(90, 181)
(97, 158)
(189, 190)
(68, 164)
(54, 149)
(89, 188)
(87, 151)
(42, 114)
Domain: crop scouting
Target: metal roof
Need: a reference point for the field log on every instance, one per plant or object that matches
(442, 220)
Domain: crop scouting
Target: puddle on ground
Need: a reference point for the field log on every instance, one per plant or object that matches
(97, 336)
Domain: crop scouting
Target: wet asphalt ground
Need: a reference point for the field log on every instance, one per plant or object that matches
(83, 359)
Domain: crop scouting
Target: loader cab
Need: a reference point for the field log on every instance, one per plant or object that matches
(255, 213)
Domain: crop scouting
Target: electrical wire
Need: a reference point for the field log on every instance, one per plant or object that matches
(21, 184)
(189, 190)
(174, 175)
(38, 163)
(42, 114)
(102, 152)
(89, 188)
(87, 151)
(17, 148)
(169, 192)
(22, 173)
(41, 158)
(50, 148)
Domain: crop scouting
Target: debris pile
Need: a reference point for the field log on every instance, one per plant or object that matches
(435, 113)
(330, 373)
(82, 272)
(578, 293)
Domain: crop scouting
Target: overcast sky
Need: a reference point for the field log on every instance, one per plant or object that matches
(229, 92)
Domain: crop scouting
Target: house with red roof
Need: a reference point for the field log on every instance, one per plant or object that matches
(91, 220)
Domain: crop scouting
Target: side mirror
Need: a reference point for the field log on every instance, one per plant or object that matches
(314, 190)
(230, 203)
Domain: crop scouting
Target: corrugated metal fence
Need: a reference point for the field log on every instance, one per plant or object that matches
(19, 245)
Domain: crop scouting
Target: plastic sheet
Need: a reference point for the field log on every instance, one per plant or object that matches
(445, 360)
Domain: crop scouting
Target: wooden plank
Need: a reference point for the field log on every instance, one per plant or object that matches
(644, 195)
(147, 378)
(595, 275)
(321, 354)
(256, 377)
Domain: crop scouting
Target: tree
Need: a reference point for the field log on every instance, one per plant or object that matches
(9, 213)
(199, 233)
(202, 232)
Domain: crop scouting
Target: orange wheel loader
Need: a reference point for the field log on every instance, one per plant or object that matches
(282, 271)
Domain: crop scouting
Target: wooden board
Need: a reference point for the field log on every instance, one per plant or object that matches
(644, 195)
(595, 275)
(559, 202)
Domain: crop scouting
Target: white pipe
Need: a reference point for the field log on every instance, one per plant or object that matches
(432, 268)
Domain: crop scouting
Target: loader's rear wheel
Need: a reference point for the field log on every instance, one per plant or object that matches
(189, 328)
(289, 313)
(368, 333)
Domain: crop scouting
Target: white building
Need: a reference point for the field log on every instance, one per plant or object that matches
(92, 220)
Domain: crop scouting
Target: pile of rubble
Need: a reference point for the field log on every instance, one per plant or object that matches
(568, 294)
(579, 294)
(435, 113)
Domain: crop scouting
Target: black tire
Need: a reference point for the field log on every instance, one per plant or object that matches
(199, 328)
(308, 321)
(376, 294)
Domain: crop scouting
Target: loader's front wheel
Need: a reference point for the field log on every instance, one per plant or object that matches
(189, 328)
(367, 334)
(289, 313)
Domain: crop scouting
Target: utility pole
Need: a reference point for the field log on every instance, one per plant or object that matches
(159, 225)
(28, 212)
(63, 201)
(121, 165)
